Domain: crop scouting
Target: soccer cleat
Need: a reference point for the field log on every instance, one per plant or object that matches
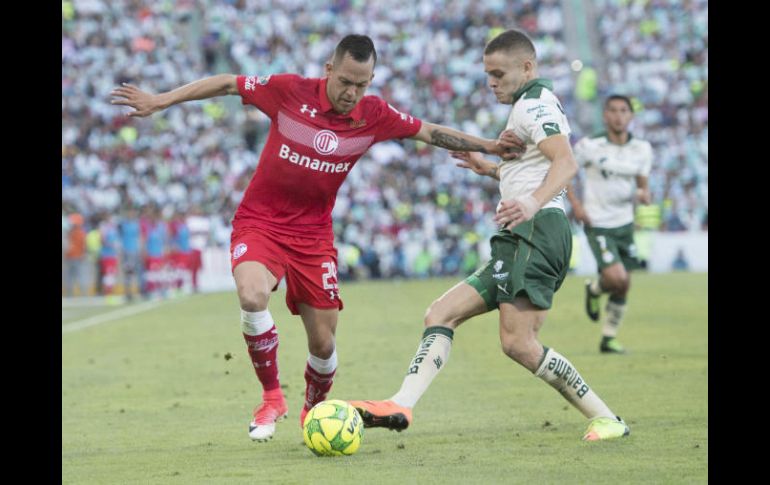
(606, 428)
(610, 345)
(592, 303)
(383, 414)
(272, 409)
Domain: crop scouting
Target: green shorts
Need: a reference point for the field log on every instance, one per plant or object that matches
(613, 245)
(530, 260)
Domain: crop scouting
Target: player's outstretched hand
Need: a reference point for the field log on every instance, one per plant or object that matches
(513, 212)
(144, 103)
(474, 161)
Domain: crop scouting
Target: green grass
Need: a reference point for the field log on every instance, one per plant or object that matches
(151, 398)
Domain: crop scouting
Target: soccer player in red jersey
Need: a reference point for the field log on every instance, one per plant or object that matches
(283, 226)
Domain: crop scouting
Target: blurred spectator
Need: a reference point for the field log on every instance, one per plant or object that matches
(680, 262)
(108, 255)
(156, 250)
(401, 196)
(75, 257)
(180, 253)
(130, 245)
(659, 51)
(200, 236)
(94, 247)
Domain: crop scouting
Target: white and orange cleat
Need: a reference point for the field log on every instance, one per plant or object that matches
(272, 410)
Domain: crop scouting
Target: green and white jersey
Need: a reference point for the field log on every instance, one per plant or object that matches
(610, 177)
(536, 114)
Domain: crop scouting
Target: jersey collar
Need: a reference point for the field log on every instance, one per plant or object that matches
(544, 83)
(607, 136)
(326, 105)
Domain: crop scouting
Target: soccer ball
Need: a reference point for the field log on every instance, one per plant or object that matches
(333, 428)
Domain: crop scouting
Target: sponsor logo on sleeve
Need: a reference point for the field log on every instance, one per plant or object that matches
(551, 129)
(263, 79)
(250, 83)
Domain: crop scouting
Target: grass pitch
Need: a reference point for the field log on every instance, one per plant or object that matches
(165, 396)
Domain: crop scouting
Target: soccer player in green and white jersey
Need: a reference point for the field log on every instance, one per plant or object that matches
(530, 252)
(616, 167)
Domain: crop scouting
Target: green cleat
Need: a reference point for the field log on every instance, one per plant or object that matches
(592, 303)
(610, 345)
(606, 428)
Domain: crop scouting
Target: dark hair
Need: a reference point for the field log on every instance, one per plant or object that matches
(620, 97)
(360, 47)
(510, 40)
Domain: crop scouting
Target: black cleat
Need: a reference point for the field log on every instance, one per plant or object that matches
(592, 303)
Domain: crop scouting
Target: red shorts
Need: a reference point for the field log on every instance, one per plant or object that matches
(109, 265)
(310, 265)
(179, 260)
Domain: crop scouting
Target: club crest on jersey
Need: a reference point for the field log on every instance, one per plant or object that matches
(498, 265)
(262, 80)
(239, 250)
(325, 142)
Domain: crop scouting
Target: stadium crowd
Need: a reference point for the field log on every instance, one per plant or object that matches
(406, 210)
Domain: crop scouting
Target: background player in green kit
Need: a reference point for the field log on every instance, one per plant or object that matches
(530, 252)
(616, 167)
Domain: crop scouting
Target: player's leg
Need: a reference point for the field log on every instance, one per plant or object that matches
(455, 306)
(617, 280)
(601, 248)
(257, 270)
(620, 276)
(313, 293)
(320, 326)
(520, 322)
(254, 283)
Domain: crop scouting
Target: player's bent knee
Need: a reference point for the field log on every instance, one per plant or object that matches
(322, 350)
(521, 352)
(253, 300)
(436, 316)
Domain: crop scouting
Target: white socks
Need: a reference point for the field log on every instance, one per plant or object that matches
(557, 371)
(256, 323)
(432, 354)
(613, 318)
(323, 366)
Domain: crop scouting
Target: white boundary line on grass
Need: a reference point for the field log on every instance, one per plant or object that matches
(113, 315)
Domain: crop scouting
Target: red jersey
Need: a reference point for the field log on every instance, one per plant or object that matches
(309, 152)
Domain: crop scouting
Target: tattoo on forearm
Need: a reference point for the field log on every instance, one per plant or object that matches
(451, 142)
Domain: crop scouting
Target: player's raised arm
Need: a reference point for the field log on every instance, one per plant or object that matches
(451, 139)
(146, 104)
